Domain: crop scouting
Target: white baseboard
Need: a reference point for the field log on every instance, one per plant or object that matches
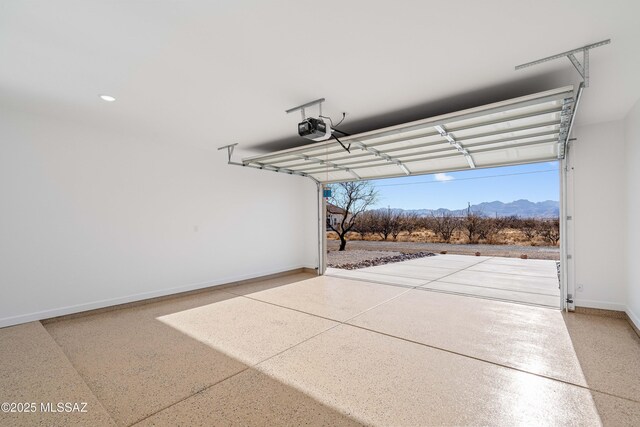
(78, 308)
(604, 305)
(635, 319)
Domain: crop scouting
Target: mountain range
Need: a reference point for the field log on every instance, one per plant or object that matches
(521, 208)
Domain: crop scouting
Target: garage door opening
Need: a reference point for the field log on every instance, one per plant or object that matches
(526, 130)
(503, 244)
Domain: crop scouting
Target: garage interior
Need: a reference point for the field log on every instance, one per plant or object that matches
(162, 242)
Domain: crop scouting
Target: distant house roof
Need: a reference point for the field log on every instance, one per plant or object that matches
(334, 209)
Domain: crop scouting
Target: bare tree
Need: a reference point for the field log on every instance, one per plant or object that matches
(490, 227)
(529, 228)
(550, 231)
(472, 225)
(428, 224)
(410, 222)
(397, 223)
(365, 224)
(353, 198)
(504, 222)
(396, 228)
(384, 223)
(487, 228)
(444, 225)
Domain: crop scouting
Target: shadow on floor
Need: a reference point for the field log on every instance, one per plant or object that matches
(143, 369)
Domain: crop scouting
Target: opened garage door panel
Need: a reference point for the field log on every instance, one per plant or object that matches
(523, 130)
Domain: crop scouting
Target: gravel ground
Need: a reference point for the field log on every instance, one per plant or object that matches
(533, 252)
(335, 258)
(377, 260)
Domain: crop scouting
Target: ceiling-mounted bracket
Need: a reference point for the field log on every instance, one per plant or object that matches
(230, 149)
(318, 102)
(581, 67)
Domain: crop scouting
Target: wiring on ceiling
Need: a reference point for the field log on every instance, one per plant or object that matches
(334, 126)
(331, 121)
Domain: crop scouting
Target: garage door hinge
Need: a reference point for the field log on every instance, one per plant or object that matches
(569, 256)
(569, 217)
(569, 299)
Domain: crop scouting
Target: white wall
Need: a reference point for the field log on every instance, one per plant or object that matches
(93, 218)
(632, 153)
(599, 215)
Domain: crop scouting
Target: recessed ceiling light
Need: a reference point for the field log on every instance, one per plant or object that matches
(107, 98)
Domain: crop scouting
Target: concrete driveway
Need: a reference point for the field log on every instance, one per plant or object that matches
(526, 281)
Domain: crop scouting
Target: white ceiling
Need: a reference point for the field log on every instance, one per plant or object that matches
(210, 73)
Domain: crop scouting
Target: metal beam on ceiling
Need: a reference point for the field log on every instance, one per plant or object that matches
(581, 67)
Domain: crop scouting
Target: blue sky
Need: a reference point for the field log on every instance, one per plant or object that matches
(535, 182)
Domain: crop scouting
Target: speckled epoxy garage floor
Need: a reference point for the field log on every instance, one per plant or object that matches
(306, 350)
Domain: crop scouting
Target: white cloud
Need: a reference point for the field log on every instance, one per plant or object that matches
(443, 177)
